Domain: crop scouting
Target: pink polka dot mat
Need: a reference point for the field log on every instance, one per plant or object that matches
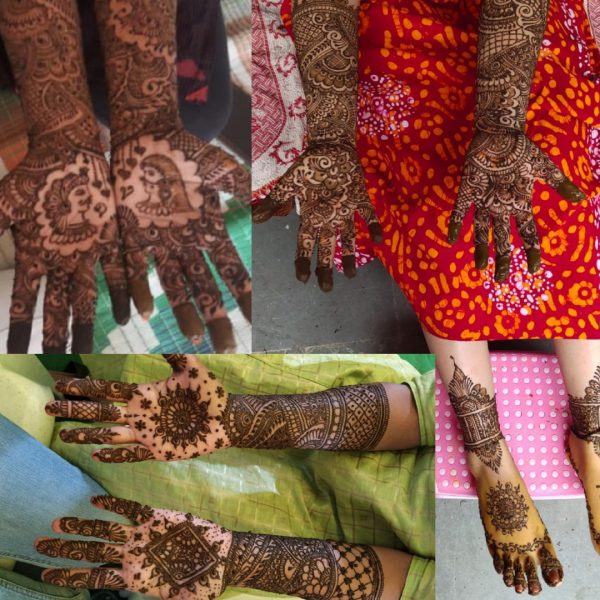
(533, 412)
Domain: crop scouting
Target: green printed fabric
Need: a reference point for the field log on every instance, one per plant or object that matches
(381, 498)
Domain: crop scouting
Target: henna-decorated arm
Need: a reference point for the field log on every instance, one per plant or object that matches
(174, 555)
(327, 179)
(58, 200)
(166, 180)
(502, 164)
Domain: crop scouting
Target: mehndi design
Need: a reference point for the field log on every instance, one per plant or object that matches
(478, 418)
(167, 180)
(507, 508)
(327, 179)
(58, 201)
(502, 164)
(586, 412)
(352, 417)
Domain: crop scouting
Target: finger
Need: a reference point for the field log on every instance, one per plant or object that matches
(173, 283)
(325, 252)
(93, 579)
(134, 511)
(367, 213)
(96, 528)
(482, 229)
(531, 242)
(104, 412)
(508, 572)
(520, 580)
(304, 249)
(501, 233)
(130, 454)
(82, 299)
(221, 335)
(533, 583)
(102, 389)
(94, 552)
(98, 435)
(546, 170)
(245, 303)
(552, 570)
(56, 312)
(223, 172)
(226, 259)
(113, 267)
(137, 282)
(467, 192)
(267, 207)
(26, 286)
(181, 362)
(347, 238)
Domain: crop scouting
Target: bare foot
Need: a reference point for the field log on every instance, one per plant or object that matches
(585, 458)
(514, 531)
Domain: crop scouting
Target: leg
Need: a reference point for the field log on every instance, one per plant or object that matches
(580, 365)
(515, 534)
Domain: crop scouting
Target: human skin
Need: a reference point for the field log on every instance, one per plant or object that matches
(327, 179)
(168, 554)
(58, 201)
(516, 536)
(191, 413)
(166, 180)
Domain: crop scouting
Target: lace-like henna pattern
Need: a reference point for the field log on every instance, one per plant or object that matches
(536, 545)
(58, 199)
(310, 569)
(353, 417)
(94, 579)
(105, 530)
(586, 412)
(507, 508)
(86, 411)
(95, 552)
(478, 418)
(87, 435)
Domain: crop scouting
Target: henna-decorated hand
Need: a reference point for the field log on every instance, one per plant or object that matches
(174, 419)
(499, 173)
(168, 208)
(328, 182)
(59, 204)
(168, 554)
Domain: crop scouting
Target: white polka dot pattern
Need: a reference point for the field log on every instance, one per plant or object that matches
(533, 409)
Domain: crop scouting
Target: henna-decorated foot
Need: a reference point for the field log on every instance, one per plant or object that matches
(515, 533)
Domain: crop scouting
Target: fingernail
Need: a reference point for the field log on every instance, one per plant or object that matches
(52, 409)
(481, 257)
(453, 230)
(146, 315)
(553, 577)
(60, 385)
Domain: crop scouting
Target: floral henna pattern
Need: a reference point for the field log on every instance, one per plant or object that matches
(105, 530)
(310, 569)
(327, 179)
(95, 552)
(502, 164)
(87, 435)
(585, 411)
(97, 388)
(507, 508)
(347, 418)
(93, 579)
(478, 417)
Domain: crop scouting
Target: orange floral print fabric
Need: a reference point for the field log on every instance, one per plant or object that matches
(416, 99)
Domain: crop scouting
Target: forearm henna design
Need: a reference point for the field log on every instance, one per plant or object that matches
(585, 411)
(478, 417)
(347, 418)
(95, 552)
(502, 164)
(166, 180)
(327, 179)
(94, 579)
(59, 199)
(104, 412)
(310, 569)
(507, 508)
(105, 530)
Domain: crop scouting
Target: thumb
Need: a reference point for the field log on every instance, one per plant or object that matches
(556, 179)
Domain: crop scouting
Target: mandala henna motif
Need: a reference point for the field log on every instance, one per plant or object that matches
(310, 569)
(478, 417)
(507, 508)
(352, 417)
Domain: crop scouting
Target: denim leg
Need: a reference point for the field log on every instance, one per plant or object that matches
(36, 487)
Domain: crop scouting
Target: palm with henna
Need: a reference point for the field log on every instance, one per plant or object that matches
(167, 554)
(177, 418)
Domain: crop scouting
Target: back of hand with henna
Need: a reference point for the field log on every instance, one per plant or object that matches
(502, 163)
(327, 179)
(58, 201)
(167, 180)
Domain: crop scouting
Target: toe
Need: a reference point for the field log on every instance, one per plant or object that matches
(520, 580)
(552, 570)
(509, 572)
(533, 583)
